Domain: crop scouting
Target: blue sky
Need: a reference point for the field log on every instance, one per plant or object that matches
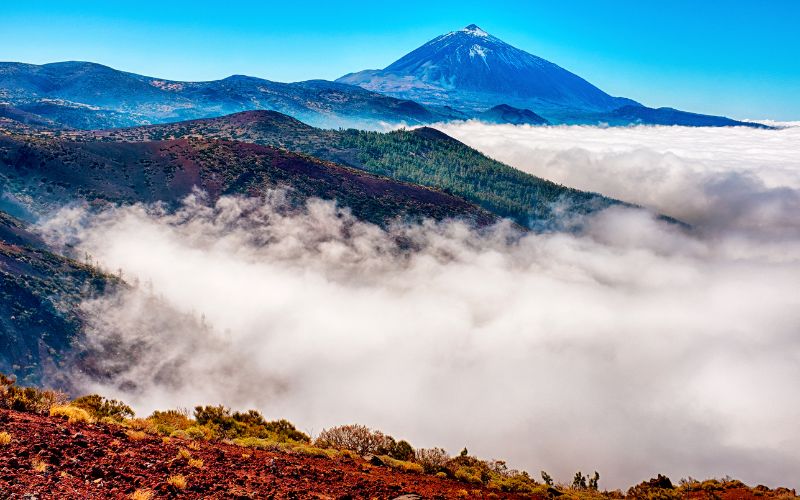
(736, 58)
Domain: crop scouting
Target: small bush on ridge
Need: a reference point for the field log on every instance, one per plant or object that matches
(28, 399)
(100, 407)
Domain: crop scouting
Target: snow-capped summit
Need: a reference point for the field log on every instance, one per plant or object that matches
(475, 30)
(474, 70)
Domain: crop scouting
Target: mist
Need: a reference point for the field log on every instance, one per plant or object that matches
(633, 347)
(717, 179)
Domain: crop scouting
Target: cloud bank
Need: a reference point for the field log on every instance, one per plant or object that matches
(635, 347)
(720, 179)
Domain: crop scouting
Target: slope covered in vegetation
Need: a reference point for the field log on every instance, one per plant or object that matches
(423, 156)
(47, 172)
(93, 447)
(39, 294)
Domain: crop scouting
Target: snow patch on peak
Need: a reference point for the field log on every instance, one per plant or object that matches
(474, 30)
(478, 50)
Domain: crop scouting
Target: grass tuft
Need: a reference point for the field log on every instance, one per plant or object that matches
(402, 465)
(136, 435)
(72, 413)
(39, 465)
(5, 438)
(177, 481)
(142, 494)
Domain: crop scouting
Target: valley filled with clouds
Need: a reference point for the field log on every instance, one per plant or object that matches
(632, 346)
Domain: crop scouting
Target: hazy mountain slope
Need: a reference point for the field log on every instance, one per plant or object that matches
(503, 113)
(87, 95)
(627, 115)
(45, 172)
(39, 293)
(423, 156)
(473, 70)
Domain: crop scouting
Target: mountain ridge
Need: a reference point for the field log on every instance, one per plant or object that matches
(422, 156)
(104, 97)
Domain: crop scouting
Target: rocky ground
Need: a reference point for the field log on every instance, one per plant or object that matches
(48, 457)
(51, 458)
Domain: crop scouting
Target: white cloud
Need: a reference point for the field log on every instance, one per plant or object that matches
(716, 178)
(634, 348)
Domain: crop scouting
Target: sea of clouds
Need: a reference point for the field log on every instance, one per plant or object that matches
(633, 347)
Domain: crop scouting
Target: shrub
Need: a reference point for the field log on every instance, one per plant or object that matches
(657, 488)
(28, 399)
(253, 442)
(196, 463)
(433, 460)
(224, 424)
(594, 481)
(100, 407)
(177, 481)
(467, 475)
(579, 481)
(72, 413)
(137, 424)
(5, 438)
(364, 441)
(167, 422)
(183, 454)
(516, 482)
(400, 450)
(285, 430)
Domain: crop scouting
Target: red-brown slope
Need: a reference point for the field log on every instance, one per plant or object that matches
(50, 172)
(97, 461)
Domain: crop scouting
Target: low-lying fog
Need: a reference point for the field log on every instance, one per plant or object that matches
(634, 348)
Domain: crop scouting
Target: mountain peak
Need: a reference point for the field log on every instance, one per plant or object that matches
(475, 70)
(474, 29)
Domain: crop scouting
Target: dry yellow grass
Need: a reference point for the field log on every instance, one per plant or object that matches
(177, 481)
(402, 465)
(73, 413)
(142, 494)
(136, 435)
(193, 445)
(196, 463)
(38, 465)
(183, 454)
(5, 438)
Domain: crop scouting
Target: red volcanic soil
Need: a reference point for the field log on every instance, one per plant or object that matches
(98, 461)
(49, 457)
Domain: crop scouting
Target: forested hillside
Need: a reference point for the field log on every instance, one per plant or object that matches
(423, 156)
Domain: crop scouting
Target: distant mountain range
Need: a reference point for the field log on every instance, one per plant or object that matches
(88, 96)
(465, 74)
